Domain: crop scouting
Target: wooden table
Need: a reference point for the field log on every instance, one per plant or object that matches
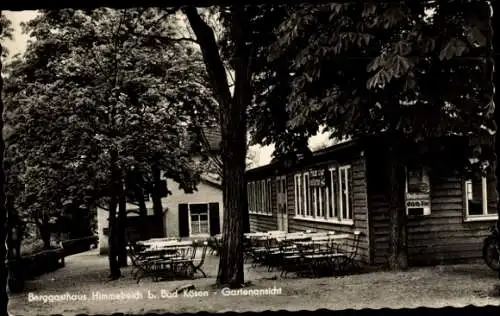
(325, 240)
(292, 238)
(167, 243)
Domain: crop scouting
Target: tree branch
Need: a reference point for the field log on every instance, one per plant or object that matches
(213, 61)
(166, 39)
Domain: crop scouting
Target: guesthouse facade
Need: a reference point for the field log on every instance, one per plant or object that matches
(343, 188)
(186, 215)
(197, 214)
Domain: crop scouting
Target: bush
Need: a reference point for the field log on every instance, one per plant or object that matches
(78, 245)
(41, 262)
(29, 247)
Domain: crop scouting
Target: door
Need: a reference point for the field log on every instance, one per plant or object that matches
(282, 215)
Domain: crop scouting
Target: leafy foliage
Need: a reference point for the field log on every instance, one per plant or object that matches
(96, 81)
(7, 33)
(415, 71)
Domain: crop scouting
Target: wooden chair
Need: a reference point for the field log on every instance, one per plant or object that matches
(141, 266)
(346, 258)
(196, 264)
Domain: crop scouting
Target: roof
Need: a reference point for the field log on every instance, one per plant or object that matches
(315, 156)
(208, 135)
(211, 180)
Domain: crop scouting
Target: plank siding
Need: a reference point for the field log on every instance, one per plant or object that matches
(360, 210)
(261, 222)
(443, 236)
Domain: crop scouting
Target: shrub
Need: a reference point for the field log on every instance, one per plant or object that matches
(29, 247)
(78, 245)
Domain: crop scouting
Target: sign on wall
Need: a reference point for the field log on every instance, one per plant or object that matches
(317, 178)
(418, 196)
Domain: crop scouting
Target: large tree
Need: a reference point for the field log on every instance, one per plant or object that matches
(5, 33)
(245, 31)
(99, 98)
(383, 69)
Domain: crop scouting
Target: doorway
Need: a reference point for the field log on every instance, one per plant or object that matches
(281, 197)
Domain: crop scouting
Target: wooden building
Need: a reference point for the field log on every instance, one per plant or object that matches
(344, 188)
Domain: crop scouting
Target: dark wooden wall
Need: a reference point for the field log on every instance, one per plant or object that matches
(360, 201)
(360, 210)
(264, 222)
(441, 237)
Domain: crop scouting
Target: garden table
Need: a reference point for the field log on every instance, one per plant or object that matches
(172, 258)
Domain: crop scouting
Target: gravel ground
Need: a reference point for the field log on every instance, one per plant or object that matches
(85, 274)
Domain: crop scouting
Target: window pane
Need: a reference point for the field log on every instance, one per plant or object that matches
(345, 202)
(474, 196)
(310, 206)
(297, 194)
(203, 227)
(198, 209)
(307, 206)
(324, 201)
(349, 193)
(270, 184)
(314, 197)
(248, 197)
(333, 194)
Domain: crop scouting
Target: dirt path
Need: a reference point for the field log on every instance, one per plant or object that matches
(84, 277)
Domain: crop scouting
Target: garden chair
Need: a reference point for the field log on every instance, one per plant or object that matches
(196, 264)
(272, 253)
(140, 264)
(346, 258)
(258, 250)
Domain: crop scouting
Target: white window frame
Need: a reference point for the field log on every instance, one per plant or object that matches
(308, 212)
(349, 209)
(249, 197)
(298, 199)
(208, 221)
(333, 197)
(260, 201)
(324, 215)
(269, 197)
(484, 202)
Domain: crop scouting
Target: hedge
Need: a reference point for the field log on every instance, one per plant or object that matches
(78, 245)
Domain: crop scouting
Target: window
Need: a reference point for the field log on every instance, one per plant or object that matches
(307, 196)
(418, 198)
(269, 197)
(332, 189)
(199, 219)
(260, 197)
(324, 195)
(345, 198)
(480, 197)
(249, 197)
(299, 190)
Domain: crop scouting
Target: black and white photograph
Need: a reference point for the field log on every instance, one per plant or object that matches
(249, 157)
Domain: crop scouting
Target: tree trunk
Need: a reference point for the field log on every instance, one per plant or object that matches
(3, 211)
(143, 212)
(156, 197)
(233, 124)
(398, 246)
(15, 278)
(45, 232)
(122, 217)
(114, 267)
